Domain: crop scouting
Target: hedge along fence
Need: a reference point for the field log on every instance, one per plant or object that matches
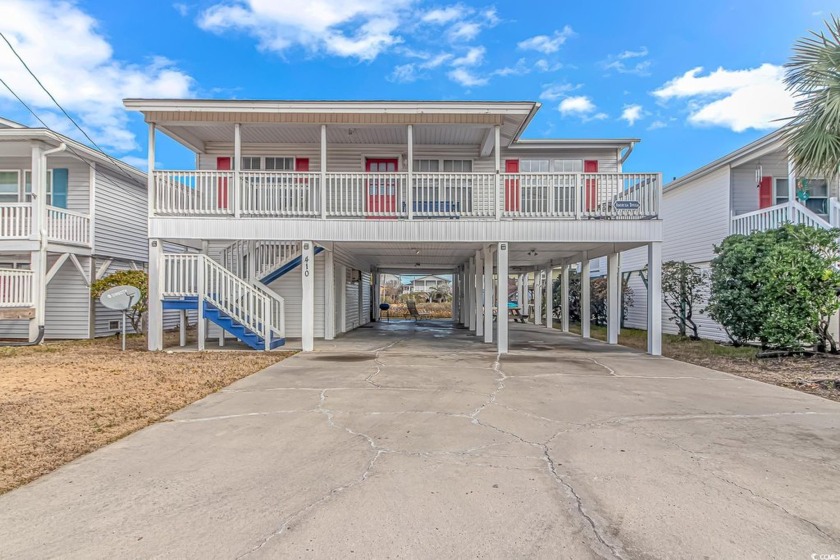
(434, 310)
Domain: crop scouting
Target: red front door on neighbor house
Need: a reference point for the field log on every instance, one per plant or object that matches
(381, 191)
(512, 194)
(591, 185)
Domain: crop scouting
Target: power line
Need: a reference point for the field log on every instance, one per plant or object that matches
(54, 100)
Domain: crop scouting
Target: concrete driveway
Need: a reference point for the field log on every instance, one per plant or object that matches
(413, 441)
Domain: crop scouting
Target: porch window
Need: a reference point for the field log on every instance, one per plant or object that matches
(534, 165)
(27, 186)
(817, 190)
(280, 164)
(534, 189)
(426, 165)
(568, 166)
(250, 163)
(457, 165)
(9, 186)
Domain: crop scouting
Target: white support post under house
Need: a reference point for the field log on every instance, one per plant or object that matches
(456, 285)
(38, 257)
(501, 293)
(613, 299)
(376, 280)
(549, 298)
(237, 181)
(155, 313)
(488, 295)
(329, 295)
(470, 299)
(791, 187)
(323, 178)
(479, 293)
(497, 155)
(538, 293)
(463, 297)
(307, 275)
(585, 297)
(200, 281)
(654, 319)
(520, 294)
(564, 299)
(182, 327)
(409, 188)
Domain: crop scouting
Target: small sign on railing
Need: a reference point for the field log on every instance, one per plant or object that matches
(626, 205)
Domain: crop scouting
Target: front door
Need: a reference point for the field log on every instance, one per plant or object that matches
(512, 194)
(382, 190)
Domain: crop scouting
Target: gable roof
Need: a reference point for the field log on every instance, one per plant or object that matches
(766, 144)
(17, 131)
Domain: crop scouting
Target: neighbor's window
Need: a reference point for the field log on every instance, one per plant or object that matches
(457, 165)
(9, 185)
(568, 166)
(817, 194)
(280, 164)
(534, 166)
(426, 165)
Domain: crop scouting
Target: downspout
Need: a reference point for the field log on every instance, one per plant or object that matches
(627, 153)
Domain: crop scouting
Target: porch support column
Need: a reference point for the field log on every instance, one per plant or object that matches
(520, 296)
(497, 135)
(329, 295)
(564, 299)
(549, 298)
(488, 295)
(155, 312)
(150, 176)
(38, 258)
(502, 272)
(323, 180)
(791, 187)
(654, 319)
(409, 188)
(470, 294)
(538, 293)
(307, 321)
(479, 293)
(237, 180)
(456, 286)
(376, 280)
(585, 297)
(613, 299)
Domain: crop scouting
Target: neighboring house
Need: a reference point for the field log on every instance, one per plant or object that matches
(300, 207)
(423, 284)
(751, 189)
(68, 215)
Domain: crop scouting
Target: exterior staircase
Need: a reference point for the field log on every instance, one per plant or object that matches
(262, 261)
(253, 314)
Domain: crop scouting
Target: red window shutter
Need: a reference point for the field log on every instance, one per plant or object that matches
(222, 164)
(765, 192)
(512, 195)
(590, 185)
(302, 164)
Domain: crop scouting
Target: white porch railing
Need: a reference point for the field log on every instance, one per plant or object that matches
(775, 216)
(191, 275)
(66, 226)
(389, 195)
(16, 288)
(834, 212)
(267, 256)
(15, 220)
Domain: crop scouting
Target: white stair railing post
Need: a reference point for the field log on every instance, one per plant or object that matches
(266, 322)
(202, 290)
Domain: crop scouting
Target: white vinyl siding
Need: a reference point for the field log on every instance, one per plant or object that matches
(289, 286)
(121, 218)
(68, 301)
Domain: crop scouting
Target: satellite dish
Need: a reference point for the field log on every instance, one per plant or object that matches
(120, 298)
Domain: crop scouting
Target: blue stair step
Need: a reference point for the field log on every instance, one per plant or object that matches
(224, 321)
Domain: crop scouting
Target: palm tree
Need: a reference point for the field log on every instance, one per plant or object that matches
(813, 76)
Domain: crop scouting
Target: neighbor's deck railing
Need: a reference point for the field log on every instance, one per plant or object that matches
(834, 212)
(16, 288)
(392, 195)
(773, 217)
(62, 226)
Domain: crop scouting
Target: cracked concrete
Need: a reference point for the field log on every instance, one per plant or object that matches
(418, 441)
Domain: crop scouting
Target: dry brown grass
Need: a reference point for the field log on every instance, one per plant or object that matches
(817, 375)
(435, 310)
(62, 400)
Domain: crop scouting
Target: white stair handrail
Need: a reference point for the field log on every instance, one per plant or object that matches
(277, 311)
(804, 215)
(834, 212)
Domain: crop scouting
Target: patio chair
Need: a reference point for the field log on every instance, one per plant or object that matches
(411, 306)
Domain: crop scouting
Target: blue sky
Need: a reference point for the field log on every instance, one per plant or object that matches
(693, 80)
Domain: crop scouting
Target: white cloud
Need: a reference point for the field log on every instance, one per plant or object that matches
(632, 113)
(553, 92)
(547, 44)
(404, 73)
(580, 106)
(736, 99)
(629, 62)
(466, 77)
(473, 57)
(444, 15)
(64, 48)
(181, 8)
(464, 31)
(360, 29)
(657, 124)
